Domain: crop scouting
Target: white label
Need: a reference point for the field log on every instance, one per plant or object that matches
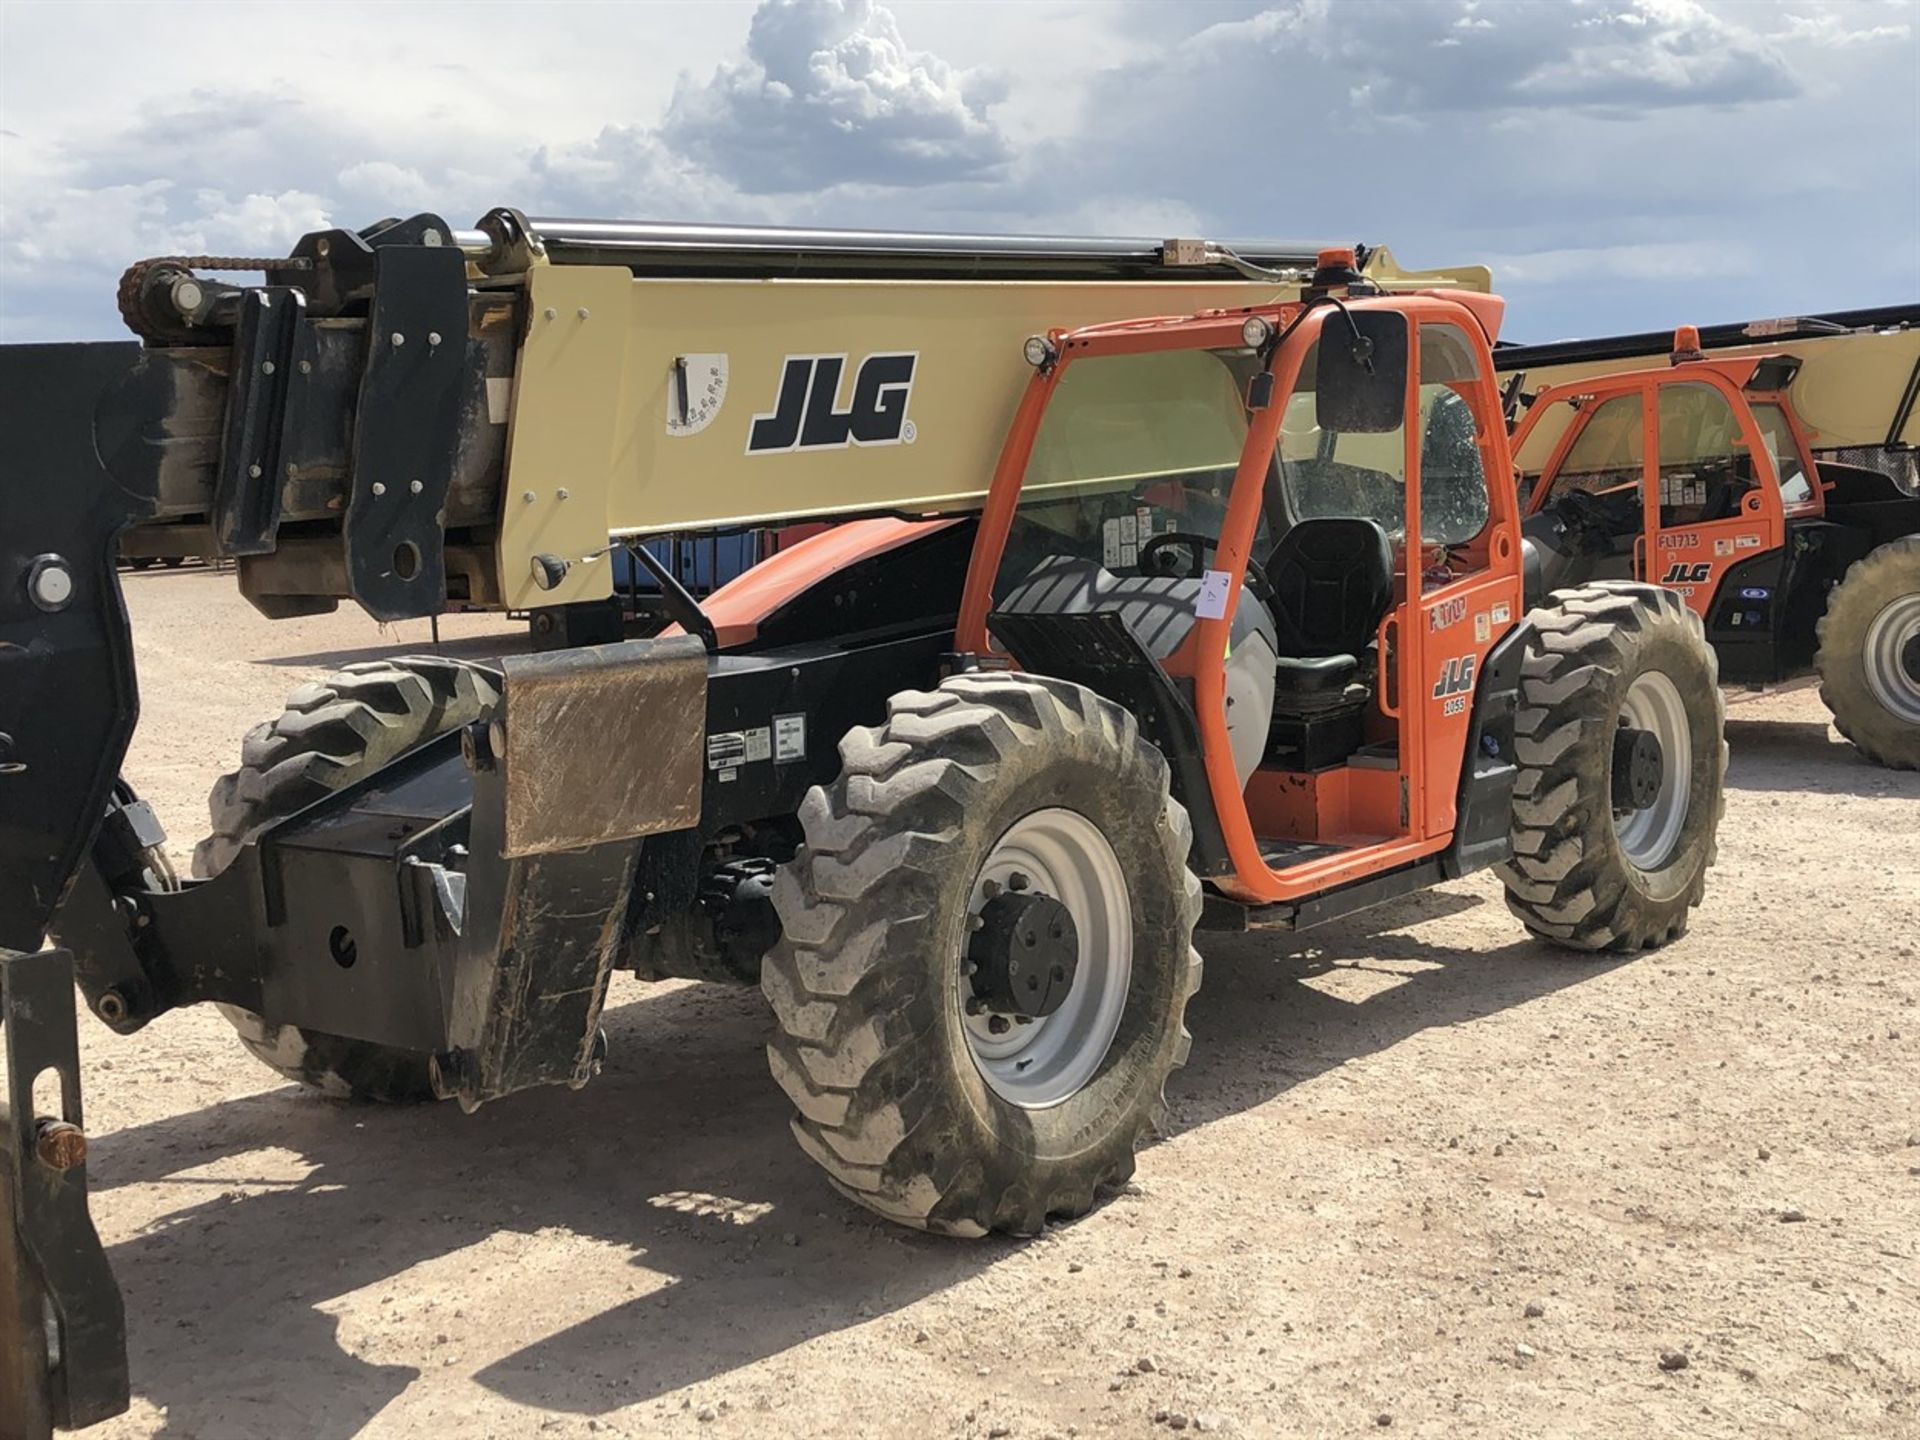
(499, 398)
(1110, 544)
(759, 743)
(1502, 613)
(1482, 627)
(1211, 602)
(789, 738)
(729, 774)
(726, 750)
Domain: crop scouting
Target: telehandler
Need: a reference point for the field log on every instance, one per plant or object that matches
(1700, 474)
(1216, 617)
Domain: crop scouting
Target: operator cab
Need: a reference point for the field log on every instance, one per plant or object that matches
(1125, 503)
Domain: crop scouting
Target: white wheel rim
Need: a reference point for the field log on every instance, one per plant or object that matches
(1893, 685)
(1050, 1059)
(1647, 837)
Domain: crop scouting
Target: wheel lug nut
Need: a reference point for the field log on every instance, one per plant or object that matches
(976, 922)
(998, 1024)
(990, 888)
(1018, 880)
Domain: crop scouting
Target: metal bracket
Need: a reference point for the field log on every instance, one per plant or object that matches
(63, 1329)
(270, 344)
(407, 431)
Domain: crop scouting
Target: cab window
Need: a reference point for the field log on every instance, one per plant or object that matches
(1704, 472)
(1796, 486)
(1608, 454)
(1326, 472)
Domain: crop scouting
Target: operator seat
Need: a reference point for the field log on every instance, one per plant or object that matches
(1332, 579)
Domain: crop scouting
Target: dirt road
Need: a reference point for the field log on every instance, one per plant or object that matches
(1398, 1138)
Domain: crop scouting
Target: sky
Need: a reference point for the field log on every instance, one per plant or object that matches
(1620, 164)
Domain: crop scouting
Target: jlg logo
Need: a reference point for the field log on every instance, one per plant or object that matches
(1456, 679)
(1456, 675)
(1685, 574)
(803, 415)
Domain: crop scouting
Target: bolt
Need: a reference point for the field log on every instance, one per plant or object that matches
(59, 1145)
(990, 888)
(550, 312)
(429, 236)
(378, 488)
(583, 312)
(976, 922)
(397, 339)
(111, 1007)
(1018, 880)
(254, 471)
(50, 583)
(266, 367)
(292, 469)
(564, 493)
(306, 367)
(415, 486)
(998, 1024)
(528, 497)
(976, 1006)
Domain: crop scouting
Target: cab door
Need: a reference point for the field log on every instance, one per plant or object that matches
(1712, 497)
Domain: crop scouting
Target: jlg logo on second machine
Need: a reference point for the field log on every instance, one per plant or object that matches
(805, 414)
(1682, 573)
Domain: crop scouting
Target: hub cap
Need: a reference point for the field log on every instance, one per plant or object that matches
(1892, 658)
(1036, 1060)
(1649, 831)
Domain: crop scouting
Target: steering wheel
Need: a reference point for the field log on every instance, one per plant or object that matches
(1151, 563)
(1592, 519)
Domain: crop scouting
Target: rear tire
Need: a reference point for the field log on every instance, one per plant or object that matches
(1582, 874)
(334, 732)
(901, 1098)
(1869, 656)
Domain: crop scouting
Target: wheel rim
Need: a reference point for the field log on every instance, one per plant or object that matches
(1648, 837)
(1892, 642)
(1047, 1060)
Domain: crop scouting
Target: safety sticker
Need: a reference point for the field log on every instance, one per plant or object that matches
(1120, 541)
(1482, 627)
(1747, 542)
(789, 738)
(726, 750)
(1723, 547)
(1502, 613)
(759, 743)
(1211, 602)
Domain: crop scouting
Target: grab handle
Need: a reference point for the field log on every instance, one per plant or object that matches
(1386, 660)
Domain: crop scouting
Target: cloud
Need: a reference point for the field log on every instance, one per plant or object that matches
(829, 93)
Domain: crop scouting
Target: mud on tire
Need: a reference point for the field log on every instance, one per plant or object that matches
(333, 732)
(1571, 880)
(866, 983)
(1864, 656)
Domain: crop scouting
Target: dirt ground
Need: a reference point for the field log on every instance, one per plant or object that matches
(1399, 1139)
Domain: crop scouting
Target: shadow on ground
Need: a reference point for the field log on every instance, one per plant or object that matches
(1807, 756)
(684, 1132)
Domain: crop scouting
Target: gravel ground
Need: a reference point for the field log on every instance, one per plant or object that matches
(1423, 1175)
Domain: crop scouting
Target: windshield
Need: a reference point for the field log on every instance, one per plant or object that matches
(1327, 472)
(1131, 447)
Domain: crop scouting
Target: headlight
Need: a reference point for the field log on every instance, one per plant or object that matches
(1038, 350)
(1256, 330)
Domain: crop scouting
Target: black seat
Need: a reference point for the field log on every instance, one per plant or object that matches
(1332, 580)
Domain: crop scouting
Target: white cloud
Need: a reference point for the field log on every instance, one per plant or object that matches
(829, 93)
(1619, 161)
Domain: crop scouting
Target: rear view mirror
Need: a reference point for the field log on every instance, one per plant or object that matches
(1362, 375)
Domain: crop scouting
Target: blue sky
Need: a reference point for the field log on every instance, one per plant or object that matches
(1622, 164)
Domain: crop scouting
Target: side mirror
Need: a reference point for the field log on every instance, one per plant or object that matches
(1361, 384)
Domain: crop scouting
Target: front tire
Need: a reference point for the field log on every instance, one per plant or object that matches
(1596, 866)
(334, 732)
(912, 1100)
(1869, 656)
